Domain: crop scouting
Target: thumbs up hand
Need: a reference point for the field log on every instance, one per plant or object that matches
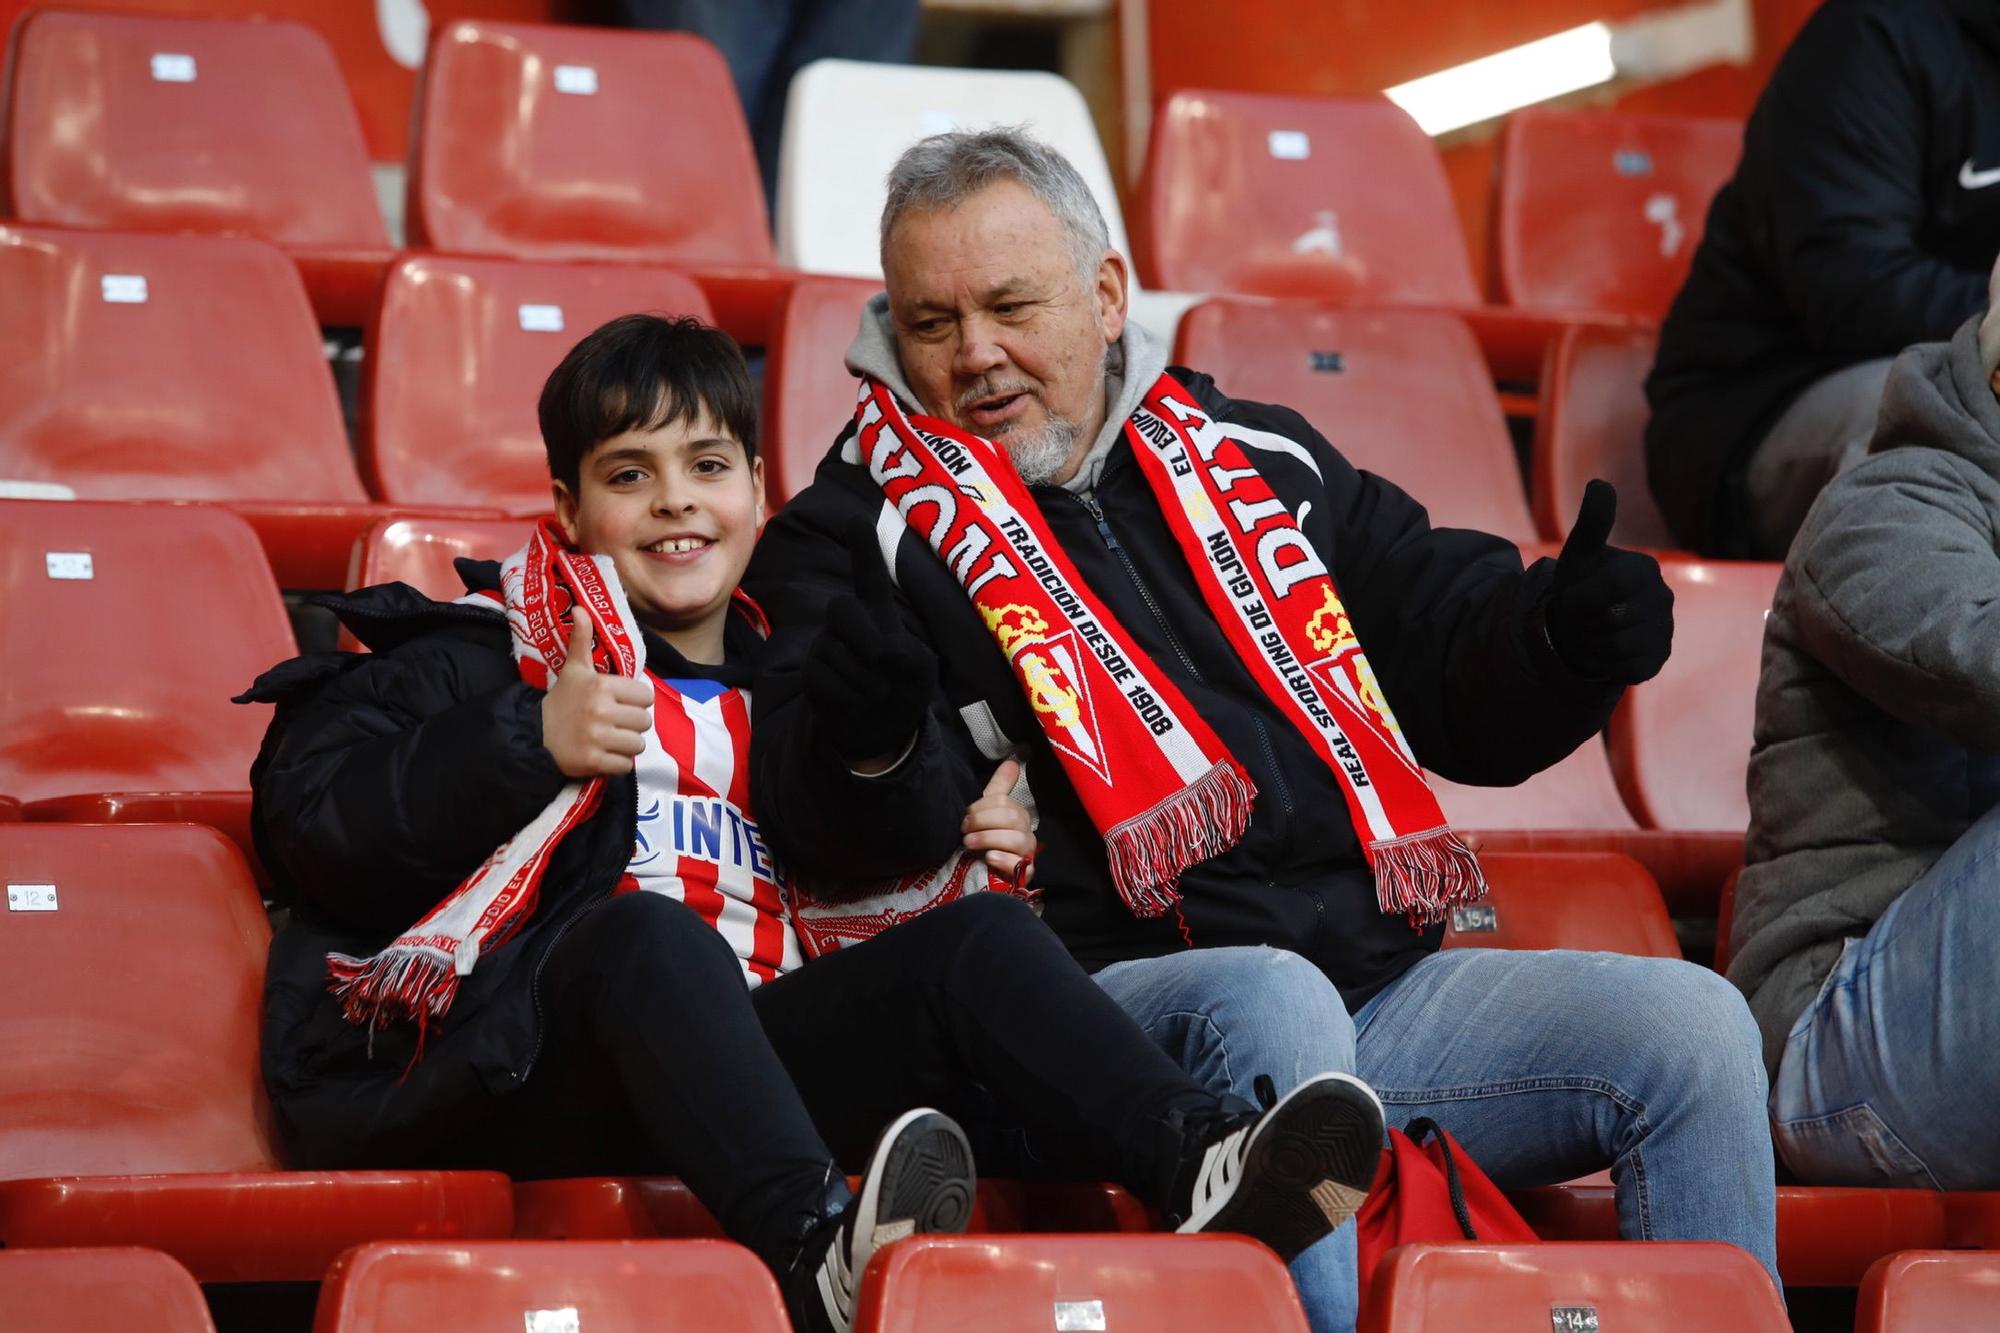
(868, 679)
(594, 725)
(1000, 826)
(1610, 615)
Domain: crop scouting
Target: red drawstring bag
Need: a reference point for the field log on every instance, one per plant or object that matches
(1427, 1188)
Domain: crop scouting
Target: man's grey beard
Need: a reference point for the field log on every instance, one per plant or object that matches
(1039, 457)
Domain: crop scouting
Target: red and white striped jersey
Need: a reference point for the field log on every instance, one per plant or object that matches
(698, 839)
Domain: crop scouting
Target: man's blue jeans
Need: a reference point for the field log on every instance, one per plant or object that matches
(1890, 1076)
(1546, 1066)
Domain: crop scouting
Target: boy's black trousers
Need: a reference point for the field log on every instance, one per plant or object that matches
(657, 1060)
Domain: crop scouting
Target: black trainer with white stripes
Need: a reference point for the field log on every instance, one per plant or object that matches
(1287, 1175)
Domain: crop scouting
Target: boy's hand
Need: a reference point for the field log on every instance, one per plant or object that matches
(594, 725)
(868, 679)
(999, 826)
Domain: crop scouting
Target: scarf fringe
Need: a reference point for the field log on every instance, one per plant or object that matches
(1149, 851)
(1425, 875)
(400, 983)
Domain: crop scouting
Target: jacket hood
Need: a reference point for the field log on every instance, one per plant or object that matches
(1939, 397)
(1137, 361)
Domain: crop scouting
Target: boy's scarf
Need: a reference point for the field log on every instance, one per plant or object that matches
(543, 586)
(1160, 787)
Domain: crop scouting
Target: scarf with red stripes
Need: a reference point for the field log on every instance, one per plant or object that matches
(1155, 780)
(543, 587)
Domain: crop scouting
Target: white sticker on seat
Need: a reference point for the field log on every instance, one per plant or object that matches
(564, 1320)
(1291, 145)
(541, 319)
(580, 80)
(1080, 1316)
(123, 288)
(172, 67)
(70, 565)
(31, 897)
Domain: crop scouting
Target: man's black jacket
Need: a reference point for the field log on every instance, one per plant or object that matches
(1448, 619)
(1863, 218)
(385, 780)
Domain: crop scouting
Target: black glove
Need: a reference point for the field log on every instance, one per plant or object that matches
(1609, 614)
(868, 679)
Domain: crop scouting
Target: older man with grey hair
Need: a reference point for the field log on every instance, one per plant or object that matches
(1222, 653)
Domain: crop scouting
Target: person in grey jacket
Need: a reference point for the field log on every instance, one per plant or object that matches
(1864, 932)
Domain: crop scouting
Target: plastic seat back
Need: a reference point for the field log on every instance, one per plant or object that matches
(460, 350)
(1028, 1284)
(1593, 424)
(421, 551)
(110, 1290)
(808, 393)
(547, 1286)
(186, 124)
(1602, 211)
(1566, 900)
(164, 367)
(132, 966)
(847, 121)
(548, 142)
(1402, 393)
(1317, 198)
(1680, 743)
(1650, 1288)
(128, 628)
(1930, 1289)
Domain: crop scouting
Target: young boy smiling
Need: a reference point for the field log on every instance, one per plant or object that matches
(535, 927)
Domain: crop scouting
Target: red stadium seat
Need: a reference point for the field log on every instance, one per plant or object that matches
(644, 1208)
(1660, 1287)
(1321, 198)
(596, 1287)
(1680, 743)
(422, 551)
(808, 393)
(10, 810)
(1398, 392)
(131, 965)
(1602, 211)
(1592, 423)
(1026, 1284)
(136, 366)
(459, 351)
(227, 812)
(1923, 1290)
(221, 126)
(1566, 900)
(1827, 1237)
(162, 613)
(100, 1291)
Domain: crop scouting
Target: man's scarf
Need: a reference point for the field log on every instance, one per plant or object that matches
(543, 587)
(1155, 780)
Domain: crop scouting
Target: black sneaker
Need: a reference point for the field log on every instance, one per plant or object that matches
(1291, 1175)
(919, 1182)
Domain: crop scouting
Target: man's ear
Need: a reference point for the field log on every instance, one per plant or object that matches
(1112, 291)
(565, 509)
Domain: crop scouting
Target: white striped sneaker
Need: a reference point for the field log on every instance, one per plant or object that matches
(1291, 1175)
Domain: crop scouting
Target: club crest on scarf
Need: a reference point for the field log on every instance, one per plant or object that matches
(1056, 687)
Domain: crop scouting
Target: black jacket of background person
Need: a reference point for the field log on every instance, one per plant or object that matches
(1845, 235)
(385, 779)
(1447, 617)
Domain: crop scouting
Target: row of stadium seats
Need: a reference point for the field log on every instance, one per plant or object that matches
(135, 365)
(131, 1114)
(560, 143)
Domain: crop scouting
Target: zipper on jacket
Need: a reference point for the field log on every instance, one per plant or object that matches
(1088, 500)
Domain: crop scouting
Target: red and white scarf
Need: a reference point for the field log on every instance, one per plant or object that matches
(1155, 780)
(543, 586)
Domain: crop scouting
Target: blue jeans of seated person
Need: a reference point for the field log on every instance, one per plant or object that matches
(1890, 1076)
(1546, 1066)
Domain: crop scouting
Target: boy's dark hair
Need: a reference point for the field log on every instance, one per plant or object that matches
(642, 372)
